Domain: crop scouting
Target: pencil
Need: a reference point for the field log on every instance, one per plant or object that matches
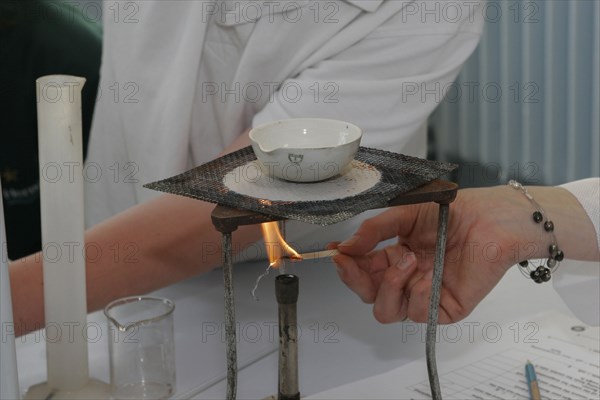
(534, 389)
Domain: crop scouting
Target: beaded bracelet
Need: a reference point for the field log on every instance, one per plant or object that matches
(543, 272)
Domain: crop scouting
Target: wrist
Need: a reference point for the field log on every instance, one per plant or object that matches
(574, 231)
(524, 239)
(540, 270)
(528, 238)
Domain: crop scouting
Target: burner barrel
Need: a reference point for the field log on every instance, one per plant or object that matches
(286, 290)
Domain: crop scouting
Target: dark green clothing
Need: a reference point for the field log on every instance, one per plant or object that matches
(36, 38)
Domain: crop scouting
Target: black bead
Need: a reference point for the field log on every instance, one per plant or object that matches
(538, 280)
(546, 275)
(559, 256)
(551, 263)
(524, 263)
(549, 226)
(553, 249)
(537, 216)
(540, 269)
(534, 275)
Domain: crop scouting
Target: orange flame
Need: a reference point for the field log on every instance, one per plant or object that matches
(276, 245)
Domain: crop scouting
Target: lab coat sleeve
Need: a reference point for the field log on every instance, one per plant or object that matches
(578, 282)
(587, 191)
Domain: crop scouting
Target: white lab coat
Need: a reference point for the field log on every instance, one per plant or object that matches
(180, 80)
(578, 282)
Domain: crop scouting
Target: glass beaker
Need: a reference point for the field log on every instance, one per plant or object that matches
(141, 347)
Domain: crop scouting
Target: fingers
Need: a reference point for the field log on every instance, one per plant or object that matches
(450, 309)
(356, 278)
(372, 231)
(379, 277)
(420, 293)
(391, 305)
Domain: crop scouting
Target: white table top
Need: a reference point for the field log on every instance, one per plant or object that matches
(340, 341)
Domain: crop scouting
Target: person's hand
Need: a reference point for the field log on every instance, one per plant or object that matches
(489, 230)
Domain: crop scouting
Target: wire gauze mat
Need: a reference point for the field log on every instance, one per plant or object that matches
(398, 174)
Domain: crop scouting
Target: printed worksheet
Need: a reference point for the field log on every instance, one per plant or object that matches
(565, 353)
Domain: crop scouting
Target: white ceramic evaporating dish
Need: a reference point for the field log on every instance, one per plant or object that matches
(305, 149)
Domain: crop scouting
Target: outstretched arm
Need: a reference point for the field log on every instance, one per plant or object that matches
(144, 248)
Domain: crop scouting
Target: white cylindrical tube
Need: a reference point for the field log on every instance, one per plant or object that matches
(63, 247)
(9, 380)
